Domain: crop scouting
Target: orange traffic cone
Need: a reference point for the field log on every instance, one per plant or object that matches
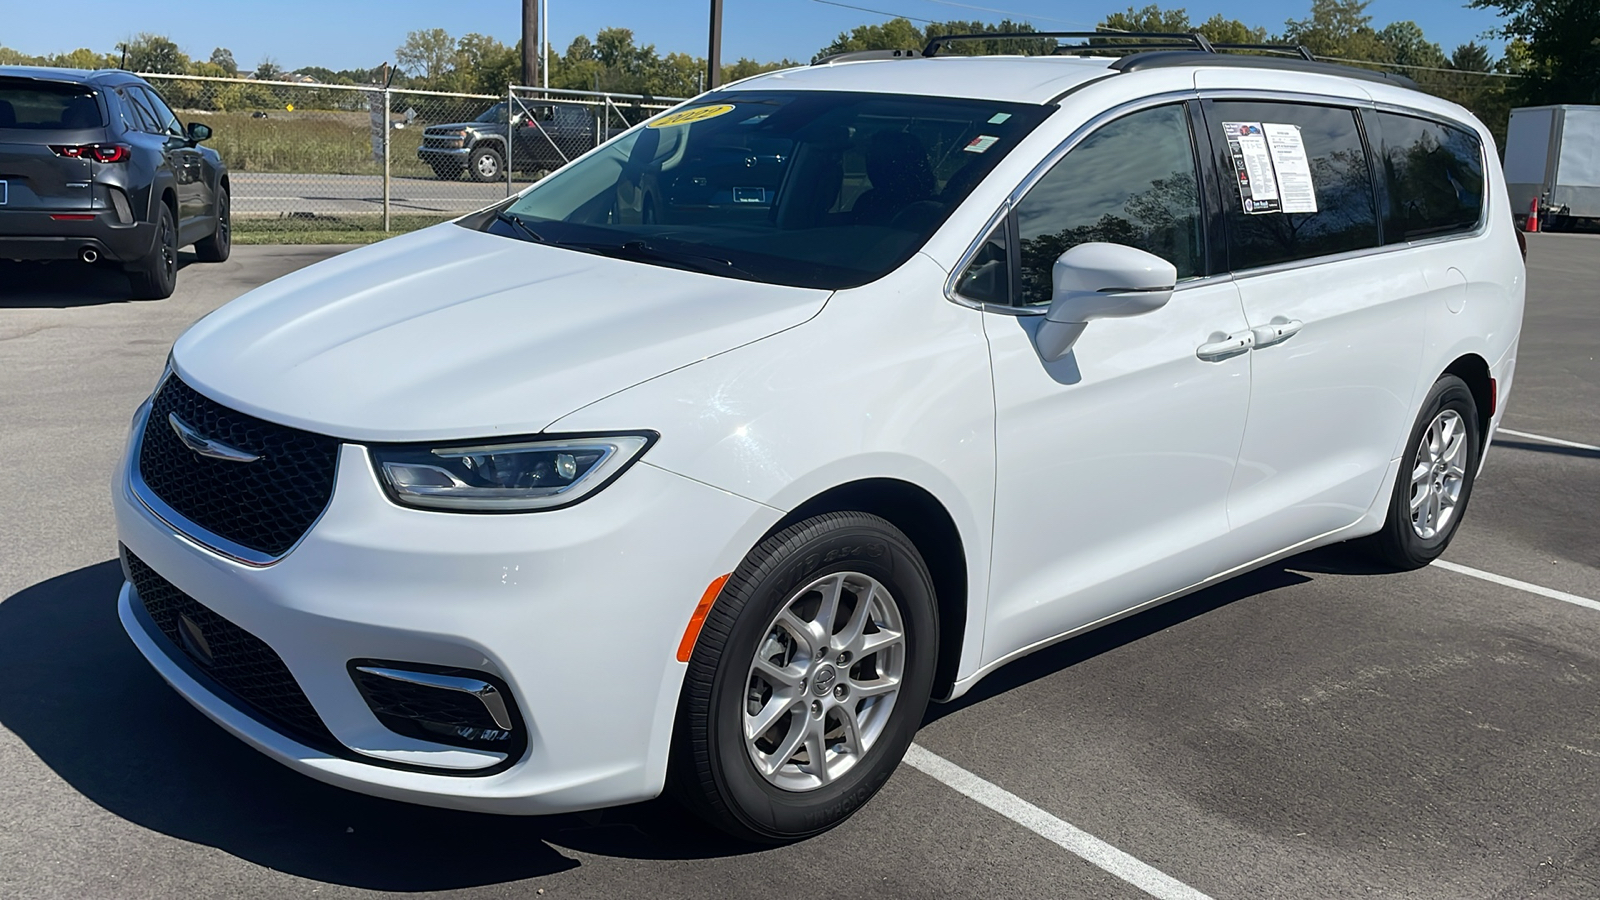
(1533, 217)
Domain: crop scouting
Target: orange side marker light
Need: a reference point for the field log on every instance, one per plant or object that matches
(698, 620)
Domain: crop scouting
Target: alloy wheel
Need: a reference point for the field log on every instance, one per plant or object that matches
(1437, 474)
(824, 681)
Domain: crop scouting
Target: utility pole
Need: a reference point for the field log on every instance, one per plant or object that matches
(714, 54)
(530, 42)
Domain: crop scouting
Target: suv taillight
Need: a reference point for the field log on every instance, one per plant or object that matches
(105, 153)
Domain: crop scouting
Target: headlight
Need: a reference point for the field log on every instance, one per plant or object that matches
(511, 477)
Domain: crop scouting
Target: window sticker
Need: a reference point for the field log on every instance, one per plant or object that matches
(981, 143)
(686, 116)
(1252, 166)
(999, 118)
(1297, 193)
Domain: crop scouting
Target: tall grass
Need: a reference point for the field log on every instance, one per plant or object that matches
(314, 142)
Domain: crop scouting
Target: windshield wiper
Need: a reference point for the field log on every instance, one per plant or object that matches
(517, 223)
(644, 252)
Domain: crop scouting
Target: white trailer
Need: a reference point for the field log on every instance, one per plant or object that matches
(1553, 155)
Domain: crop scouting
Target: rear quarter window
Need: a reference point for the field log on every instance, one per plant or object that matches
(48, 107)
(1434, 175)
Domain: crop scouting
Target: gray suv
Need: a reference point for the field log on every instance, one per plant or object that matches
(94, 166)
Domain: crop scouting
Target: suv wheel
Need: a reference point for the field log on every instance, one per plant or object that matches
(1435, 479)
(217, 247)
(808, 681)
(486, 163)
(156, 276)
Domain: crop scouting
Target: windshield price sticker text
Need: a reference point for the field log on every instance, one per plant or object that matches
(687, 116)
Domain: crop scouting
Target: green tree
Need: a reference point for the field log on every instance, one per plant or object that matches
(429, 54)
(269, 70)
(1409, 47)
(895, 34)
(1231, 31)
(1150, 18)
(1340, 28)
(1560, 47)
(155, 53)
(222, 58)
(1471, 57)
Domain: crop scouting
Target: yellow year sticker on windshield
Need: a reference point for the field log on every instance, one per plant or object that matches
(686, 116)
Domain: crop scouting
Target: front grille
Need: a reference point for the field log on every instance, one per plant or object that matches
(266, 505)
(241, 663)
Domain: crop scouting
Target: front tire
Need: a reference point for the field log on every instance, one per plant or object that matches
(1435, 481)
(486, 164)
(808, 681)
(216, 248)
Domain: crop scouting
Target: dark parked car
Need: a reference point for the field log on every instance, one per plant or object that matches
(95, 166)
(547, 135)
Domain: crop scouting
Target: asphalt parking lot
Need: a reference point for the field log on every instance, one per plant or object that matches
(1315, 729)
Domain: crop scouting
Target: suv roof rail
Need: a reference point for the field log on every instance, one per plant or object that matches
(1296, 49)
(1152, 40)
(851, 55)
(1167, 58)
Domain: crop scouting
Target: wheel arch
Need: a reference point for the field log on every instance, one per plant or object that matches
(1474, 370)
(923, 519)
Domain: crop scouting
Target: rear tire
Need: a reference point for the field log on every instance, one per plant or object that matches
(156, 276)
(486, 164)
(770, 652)
(216, 248)
(1435, 480)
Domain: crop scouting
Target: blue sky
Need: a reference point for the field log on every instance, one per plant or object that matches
(362, 33)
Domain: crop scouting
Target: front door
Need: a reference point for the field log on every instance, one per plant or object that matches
(1114, 461)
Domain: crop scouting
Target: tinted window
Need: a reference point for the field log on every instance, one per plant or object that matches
(1131, 182)
(1435, 177)
(1322, 142)
(45, 106)
(987, 279)
(134, 113)
(809, 188)
(139, 101)
(166, 120)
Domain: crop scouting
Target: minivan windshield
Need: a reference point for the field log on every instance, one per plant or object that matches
(48, 106)
(806, 188)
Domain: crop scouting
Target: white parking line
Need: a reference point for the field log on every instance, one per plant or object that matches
(1531, 588)
(1063, 834)
(1548, 440)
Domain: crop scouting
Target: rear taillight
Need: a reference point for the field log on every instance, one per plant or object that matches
(104, 153)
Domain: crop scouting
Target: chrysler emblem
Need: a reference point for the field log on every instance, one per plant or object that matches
(205, 446)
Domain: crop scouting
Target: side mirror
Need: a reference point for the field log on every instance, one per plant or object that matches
(198, 132)
(1101, 281)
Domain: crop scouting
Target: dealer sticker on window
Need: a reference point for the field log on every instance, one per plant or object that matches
(687, 116)
(1270, 167)
(981, 143)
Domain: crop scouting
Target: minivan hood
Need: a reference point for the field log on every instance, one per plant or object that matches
(452, 333)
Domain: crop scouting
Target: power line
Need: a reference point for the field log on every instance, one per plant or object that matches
(1007, 12)
(876, 12)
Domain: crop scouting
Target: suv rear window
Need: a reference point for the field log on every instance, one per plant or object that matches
(44, 106)
(1435, 178)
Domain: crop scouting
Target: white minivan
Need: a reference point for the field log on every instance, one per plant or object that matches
(708, 460)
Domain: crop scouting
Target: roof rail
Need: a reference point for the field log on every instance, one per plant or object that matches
(1166, 58)
(1153, 40)
(852, 55)
(1296, 49)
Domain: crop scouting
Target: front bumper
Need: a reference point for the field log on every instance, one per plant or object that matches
(458, 154)
(33, 235)
(579, 611)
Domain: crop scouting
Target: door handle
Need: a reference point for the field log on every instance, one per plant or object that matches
(1222, 346)
(1277, 331)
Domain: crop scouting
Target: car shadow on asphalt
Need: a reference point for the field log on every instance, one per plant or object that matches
(1043, 663)
(66, 284)
(79, 694)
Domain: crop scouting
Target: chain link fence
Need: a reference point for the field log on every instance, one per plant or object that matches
(319, 162)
